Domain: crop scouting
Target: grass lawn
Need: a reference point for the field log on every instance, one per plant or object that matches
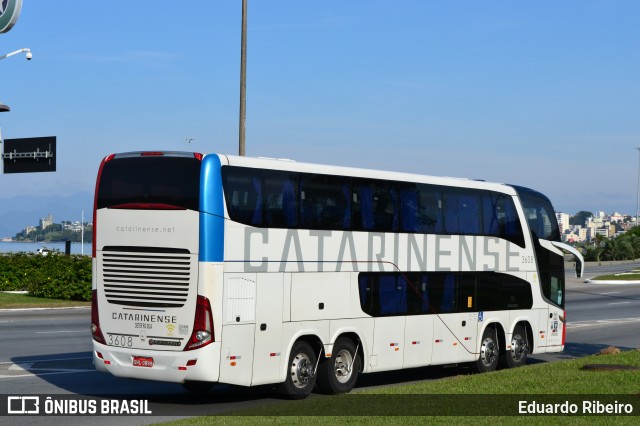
(15, 301)
(485, 396)
(620, 277)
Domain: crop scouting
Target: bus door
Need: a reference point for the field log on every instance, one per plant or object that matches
(238, 329)
(267, 356)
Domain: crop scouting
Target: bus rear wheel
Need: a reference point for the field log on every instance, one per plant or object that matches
(517, 354)
(339, 373)
(301, 374)
(489, 352)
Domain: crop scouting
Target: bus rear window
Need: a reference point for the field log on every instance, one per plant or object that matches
(161, 181)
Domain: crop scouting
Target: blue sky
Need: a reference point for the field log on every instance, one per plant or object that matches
(543, 94)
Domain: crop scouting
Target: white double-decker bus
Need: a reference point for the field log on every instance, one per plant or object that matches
(223, 269)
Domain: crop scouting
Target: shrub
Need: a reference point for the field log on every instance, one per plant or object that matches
(54, 276)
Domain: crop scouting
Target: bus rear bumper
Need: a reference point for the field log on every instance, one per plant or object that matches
(168, 366)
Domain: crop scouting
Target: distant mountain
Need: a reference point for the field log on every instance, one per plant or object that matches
(17, 213)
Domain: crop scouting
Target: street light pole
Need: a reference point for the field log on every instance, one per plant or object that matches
(638, 193)
(24, 49)
(243, 80)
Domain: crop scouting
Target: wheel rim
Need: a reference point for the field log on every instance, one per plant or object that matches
(488, 351)
(518, 348)
(301, 370)
(343, 367)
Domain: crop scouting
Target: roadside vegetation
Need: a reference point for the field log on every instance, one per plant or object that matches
(623, 247)
(501, 392)
(53, 276)
(632, 276)
(17, 301)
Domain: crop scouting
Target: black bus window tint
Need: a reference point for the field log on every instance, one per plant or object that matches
(324, 202)
(362, 206)
(409, 208)
(462, 212)
(500, 218)
(392, 294)
(280, 200)
(385, 207)
(442, 292)
(511, 229)
(490, 214)
(430, 210)
(243, 194)
(165, 180)
(539, 213)
(421, 288)
(467, 288)
(499, 292)
(553, 287)
(365, 288)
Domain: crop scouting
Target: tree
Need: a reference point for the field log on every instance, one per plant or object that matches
(580, 218)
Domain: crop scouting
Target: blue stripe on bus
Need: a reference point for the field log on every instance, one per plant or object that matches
(211, 211)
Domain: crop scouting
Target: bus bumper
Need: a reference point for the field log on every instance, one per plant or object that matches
(176, 367)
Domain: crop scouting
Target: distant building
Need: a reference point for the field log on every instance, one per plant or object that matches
(46, 222)
(563, 221)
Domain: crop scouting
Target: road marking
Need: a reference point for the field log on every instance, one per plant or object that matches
(12, 376)
(63, 331)
(603, 322)
(617, 303)
(609, 292)
(47, 360)
(39, 367)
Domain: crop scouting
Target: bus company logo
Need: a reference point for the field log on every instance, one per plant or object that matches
(23, 404)
(170, 328)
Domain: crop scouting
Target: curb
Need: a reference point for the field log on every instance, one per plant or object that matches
(43, 309)
(621, 282)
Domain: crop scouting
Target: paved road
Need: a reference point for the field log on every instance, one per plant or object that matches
(49, 352)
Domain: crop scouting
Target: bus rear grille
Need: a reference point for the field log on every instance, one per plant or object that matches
(146, 276)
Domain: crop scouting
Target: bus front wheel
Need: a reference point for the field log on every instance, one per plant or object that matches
(489, 352)
(301, 374)
(339, 373)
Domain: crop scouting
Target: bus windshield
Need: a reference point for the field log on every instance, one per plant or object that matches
(136, 180)
(539, 213)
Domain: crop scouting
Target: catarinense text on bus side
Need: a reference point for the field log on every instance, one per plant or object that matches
(263, 249)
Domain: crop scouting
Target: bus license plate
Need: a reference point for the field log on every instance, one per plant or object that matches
(142, 361)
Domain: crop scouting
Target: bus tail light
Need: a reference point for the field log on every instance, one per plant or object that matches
(95, 319)
(95, 202)
(564, 326)
(202, 333)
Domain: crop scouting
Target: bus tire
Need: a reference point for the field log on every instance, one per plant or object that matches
(489, 352)
(301, 375)
(339, 373)
(517, 354)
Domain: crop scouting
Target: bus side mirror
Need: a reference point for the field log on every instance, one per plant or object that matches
(576, 254)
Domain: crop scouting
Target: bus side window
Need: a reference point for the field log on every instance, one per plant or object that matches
(281, 201)
(393, 294)
(324, 203)
(409, 209)
(430, 209)
(243, 197)
(462, 210)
